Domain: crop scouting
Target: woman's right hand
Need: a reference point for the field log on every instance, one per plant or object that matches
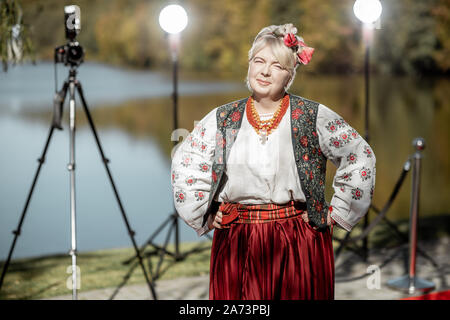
(217, 222)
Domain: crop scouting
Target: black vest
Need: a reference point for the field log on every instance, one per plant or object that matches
(310, 161)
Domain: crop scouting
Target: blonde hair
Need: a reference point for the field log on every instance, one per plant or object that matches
(272, 36)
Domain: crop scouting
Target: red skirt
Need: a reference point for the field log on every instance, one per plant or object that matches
(277, 257)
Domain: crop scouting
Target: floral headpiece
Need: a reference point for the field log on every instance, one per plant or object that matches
(296, 43)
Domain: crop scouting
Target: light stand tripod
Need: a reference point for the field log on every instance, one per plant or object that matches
(172, 220)
(72, 84)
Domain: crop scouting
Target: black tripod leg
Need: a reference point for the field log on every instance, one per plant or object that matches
(125, 279)
(164, 250)
(149, 241)
(177, 238)
(105, 162)
(16, 232)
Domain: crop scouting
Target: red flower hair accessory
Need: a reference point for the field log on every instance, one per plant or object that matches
(303, 52)
(290, 40)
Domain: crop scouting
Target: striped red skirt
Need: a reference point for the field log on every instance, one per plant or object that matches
(269, 252)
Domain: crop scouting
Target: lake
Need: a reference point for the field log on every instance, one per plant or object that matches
(132, 111)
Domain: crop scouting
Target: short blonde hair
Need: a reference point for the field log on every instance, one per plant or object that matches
(272, 36)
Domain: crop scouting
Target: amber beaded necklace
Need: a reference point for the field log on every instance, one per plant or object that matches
(265, 127)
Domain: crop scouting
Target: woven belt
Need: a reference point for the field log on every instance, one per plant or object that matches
(259, 213)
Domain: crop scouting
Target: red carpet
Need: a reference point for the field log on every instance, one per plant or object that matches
(443, 295)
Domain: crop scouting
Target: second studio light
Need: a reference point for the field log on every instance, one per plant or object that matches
(368, 11)
(173, 19)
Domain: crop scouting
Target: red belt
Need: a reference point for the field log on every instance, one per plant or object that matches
(259, 213)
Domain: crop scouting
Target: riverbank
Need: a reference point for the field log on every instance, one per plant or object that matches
(105, 275)
(354, 278)
(47, 276)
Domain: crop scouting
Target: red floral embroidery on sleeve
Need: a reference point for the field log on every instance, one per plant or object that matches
(365, 174)
(180, 196)
(351, 158)
(368, 151)
(186, 161)
(357, 193)
(204, 167)
(199, 195)
(191, 180)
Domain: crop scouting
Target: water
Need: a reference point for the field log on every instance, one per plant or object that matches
(31, 87)
(139, 169)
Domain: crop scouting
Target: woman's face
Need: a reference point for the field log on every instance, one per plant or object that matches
(266, 76)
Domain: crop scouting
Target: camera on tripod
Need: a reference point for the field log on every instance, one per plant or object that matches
(71, 53)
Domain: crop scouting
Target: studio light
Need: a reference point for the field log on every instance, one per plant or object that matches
(173, 19)
(368, 11)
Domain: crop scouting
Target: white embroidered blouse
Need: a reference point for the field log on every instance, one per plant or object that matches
(266, 172)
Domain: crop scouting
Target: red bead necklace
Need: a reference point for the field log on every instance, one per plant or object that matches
(265, 127)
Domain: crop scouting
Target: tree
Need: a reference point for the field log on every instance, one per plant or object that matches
(15, 43)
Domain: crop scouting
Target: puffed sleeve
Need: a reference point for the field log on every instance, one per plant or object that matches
(191, 173)
(354, 181)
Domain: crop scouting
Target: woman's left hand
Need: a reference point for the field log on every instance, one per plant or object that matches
(330, 220)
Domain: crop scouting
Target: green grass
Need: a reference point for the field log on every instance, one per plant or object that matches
(44, 277)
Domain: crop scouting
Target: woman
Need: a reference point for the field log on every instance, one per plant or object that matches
(254, 170)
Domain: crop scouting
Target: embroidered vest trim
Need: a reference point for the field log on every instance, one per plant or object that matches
(310, 161)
